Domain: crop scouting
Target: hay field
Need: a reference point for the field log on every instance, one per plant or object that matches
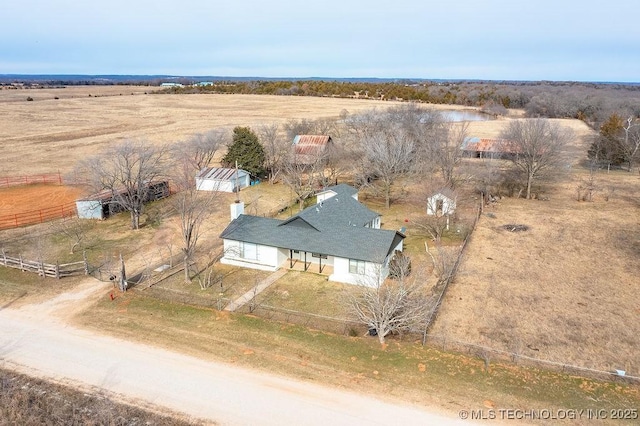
(49, 134)
(566, 290)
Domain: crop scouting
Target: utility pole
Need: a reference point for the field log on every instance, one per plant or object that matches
(237, 184)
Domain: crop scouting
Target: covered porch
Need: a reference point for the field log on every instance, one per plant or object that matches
(298, 260)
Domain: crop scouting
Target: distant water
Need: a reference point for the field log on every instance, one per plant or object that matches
(458, 116)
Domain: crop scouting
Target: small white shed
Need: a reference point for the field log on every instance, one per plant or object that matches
(222, 179)
(441, 202)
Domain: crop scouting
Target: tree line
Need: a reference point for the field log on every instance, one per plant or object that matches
(590, 102)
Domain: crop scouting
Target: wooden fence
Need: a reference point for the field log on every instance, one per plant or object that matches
(16, 220)
(7, 181)
(57, 270)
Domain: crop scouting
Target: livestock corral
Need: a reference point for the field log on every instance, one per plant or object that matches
(23, 205)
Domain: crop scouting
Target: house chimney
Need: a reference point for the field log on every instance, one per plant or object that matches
(237, 209)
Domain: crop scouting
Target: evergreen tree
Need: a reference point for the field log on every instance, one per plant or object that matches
(607, 147)
(246, 150)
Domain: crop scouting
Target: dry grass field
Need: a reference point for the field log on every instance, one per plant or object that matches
(49, 134)
(567, 289)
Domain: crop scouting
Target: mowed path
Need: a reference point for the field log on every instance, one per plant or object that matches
(36, 339)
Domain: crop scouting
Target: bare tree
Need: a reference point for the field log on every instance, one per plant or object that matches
(631, 146)
(433, 225)
(537, 146)
(387, 157)
(448, 152)
(201, 148)
(74, 228)
(391, 306)
(126, 170)
(276, 149)
(193, 208)
(397, 142)
(301, 177)
(321, 126)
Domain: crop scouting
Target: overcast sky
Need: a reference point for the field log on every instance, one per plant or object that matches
(588, 40)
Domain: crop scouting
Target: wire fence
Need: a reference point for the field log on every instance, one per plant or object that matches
(488, 354)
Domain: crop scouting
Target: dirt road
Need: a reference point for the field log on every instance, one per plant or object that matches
(37, 339)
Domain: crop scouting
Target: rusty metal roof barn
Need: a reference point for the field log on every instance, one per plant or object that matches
(309, 148)
(482, 147)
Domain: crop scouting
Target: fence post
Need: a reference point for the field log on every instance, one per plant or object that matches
(21, 264)
(86, 263)
(57, 269)
(41, 273)
(4, 257)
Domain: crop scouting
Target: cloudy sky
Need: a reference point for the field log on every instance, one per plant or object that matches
(588, 40)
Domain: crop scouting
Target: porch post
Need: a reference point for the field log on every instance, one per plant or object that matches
(305, 261)
(320, 259)
(290, 258)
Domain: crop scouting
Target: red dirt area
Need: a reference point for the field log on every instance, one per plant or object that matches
(28, 198)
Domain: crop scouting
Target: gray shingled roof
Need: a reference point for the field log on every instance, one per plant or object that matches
(335, 227)
(341, 189)
(352, 242)
(337, 211)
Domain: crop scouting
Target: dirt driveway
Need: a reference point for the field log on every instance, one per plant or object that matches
(38, 340)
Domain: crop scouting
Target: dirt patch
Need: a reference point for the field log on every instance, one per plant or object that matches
(21, 199)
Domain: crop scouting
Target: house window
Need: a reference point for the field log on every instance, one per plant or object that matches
(356, 266)
(249, 251)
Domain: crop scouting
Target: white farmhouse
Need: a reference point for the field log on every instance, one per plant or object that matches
(338, 236)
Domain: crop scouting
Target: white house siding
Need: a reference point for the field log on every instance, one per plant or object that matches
(373, 273)
(267, 257)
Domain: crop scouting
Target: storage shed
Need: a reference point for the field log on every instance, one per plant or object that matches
(441, 202)
(222, 179)
(101, 205)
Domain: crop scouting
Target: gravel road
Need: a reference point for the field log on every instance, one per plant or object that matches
(34, 339)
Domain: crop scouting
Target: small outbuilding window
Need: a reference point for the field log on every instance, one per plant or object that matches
(356, 267)
(249, 251)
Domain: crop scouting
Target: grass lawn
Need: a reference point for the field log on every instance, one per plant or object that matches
(308, 292)
(235, 282)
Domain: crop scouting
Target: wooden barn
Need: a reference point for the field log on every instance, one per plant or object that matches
(222, 179)
(101, 205)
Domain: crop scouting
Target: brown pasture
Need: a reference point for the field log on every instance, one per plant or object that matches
(49, 134)
(565, 290)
